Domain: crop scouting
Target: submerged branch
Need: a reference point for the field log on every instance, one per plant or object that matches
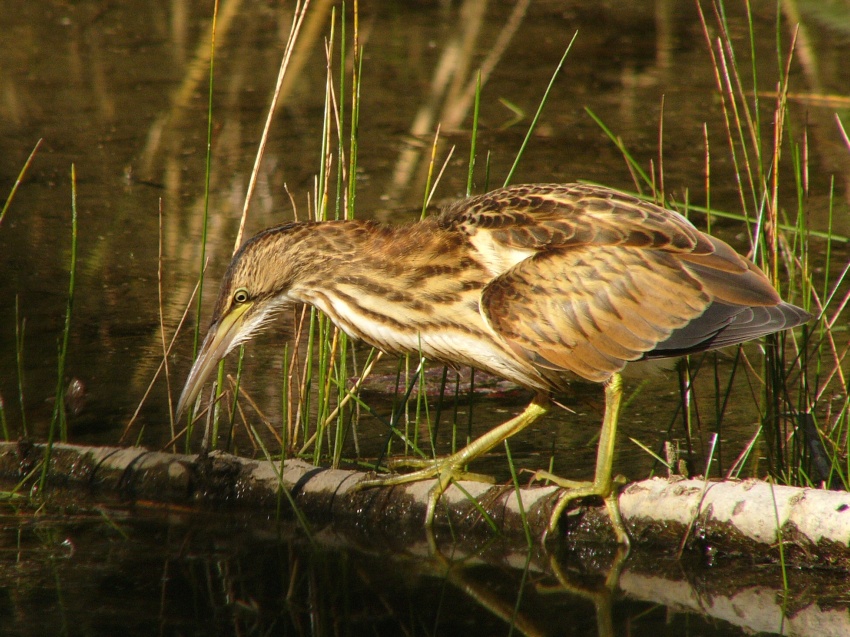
(717, 517)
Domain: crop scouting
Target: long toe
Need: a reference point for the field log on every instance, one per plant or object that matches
(574, 490)
(445, 471)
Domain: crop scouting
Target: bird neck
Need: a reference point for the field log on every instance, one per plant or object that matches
(406, 290)
(371, 254)
(373, 279)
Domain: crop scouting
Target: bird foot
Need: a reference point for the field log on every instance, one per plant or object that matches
(444, 470)
(451, 468)
(431, 464)
(608, 491)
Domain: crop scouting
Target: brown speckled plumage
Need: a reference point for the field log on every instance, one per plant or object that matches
(535, 283)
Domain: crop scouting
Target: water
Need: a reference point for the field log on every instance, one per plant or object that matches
(153, 570)
(119, 90)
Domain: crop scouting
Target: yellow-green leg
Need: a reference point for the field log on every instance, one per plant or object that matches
(603, 485)
(451, 468)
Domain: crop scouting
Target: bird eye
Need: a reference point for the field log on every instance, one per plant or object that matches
(240, 296)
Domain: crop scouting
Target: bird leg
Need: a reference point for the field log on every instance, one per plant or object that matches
(603, 486)
(450, 468)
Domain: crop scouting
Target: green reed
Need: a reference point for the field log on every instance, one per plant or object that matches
(20, 330)
(59, 415)
(202, 264)
(323, 409)
(515, 480)
(18, 181)
(20, 324)
(537, 114)
(58, 420)
(787, 401)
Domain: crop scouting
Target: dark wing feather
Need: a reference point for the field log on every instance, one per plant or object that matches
(722, 325)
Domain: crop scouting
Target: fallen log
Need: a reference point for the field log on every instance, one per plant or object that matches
(750, 517)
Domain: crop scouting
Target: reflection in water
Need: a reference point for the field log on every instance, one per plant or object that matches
(151, 570)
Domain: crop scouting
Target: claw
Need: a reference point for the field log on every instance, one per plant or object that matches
(576, 490)
(445, 472)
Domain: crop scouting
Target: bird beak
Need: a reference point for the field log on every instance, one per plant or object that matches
(223, 336)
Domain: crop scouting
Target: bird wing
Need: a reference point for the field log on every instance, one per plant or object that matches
(587, 279)
(541, 216)
(590, 310)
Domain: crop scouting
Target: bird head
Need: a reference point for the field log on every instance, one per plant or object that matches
(254, 289)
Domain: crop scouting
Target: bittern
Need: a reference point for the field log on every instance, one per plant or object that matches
(538, 284)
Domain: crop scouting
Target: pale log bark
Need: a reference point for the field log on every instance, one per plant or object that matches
(746, 516)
